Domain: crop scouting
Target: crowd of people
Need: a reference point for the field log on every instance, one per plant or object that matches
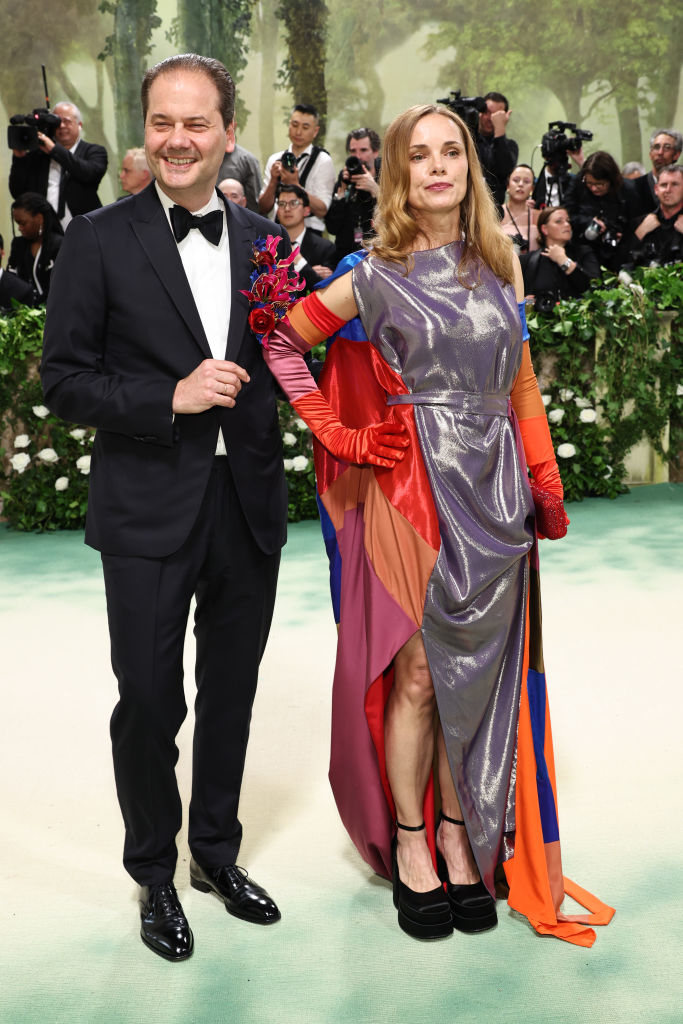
(601, 216)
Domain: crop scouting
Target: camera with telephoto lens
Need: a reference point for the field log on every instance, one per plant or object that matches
(22, 131)
(466, 107)
(611, 236)
(545, 302)
(288, 161)
(353, 166)
(555, 144)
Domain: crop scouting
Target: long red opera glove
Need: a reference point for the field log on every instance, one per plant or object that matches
(381, 444)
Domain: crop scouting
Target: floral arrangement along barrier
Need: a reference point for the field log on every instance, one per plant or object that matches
(598, 407)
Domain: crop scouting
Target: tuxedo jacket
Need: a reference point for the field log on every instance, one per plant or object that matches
(316, 251)
(122, 329)
(82, 171)
(645, 199)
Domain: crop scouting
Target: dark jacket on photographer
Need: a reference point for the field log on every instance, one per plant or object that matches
(660, 247)
(616, 209)
(498, 156)
(82, 171)
(542, 193)
(349, 218)
(543, 277)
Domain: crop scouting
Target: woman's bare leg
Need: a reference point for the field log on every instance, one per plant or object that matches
(409, 742)
(451, 839)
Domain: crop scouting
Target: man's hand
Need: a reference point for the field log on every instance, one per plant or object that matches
(678, 223)
(577, 157)
(46, 143)
(289, 177)
(366, 183)
(322, 271)
(213, 382)
(647, 224)
(19, 152)
(499, 120)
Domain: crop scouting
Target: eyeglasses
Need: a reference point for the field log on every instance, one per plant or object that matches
(662, 148)
(288, 204)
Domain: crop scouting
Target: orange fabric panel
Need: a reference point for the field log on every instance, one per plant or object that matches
(303, 325)
(538, 444)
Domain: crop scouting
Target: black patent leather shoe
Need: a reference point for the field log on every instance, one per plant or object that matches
(472, 907)
(242, 896)
(164, 927)
(423, 915)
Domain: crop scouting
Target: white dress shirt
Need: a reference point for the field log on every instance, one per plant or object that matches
(320, 182)
(54, 180)
(207, 268)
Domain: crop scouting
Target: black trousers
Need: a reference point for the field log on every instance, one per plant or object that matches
(148, 604)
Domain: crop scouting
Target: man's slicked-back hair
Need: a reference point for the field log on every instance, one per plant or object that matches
(213, 69)
(497, 97)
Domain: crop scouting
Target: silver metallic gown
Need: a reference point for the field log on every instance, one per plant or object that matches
(458, 351)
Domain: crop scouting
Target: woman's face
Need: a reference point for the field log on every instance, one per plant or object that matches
(598, 186)
(438, 166)
(29, 224)
(521, 184)
(557, 229)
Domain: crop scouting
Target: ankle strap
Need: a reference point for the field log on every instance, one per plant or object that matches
(453, 821)
(410, 828)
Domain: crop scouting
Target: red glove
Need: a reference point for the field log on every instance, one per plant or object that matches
(381, 444)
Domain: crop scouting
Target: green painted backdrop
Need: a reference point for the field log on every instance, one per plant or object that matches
(614, 66)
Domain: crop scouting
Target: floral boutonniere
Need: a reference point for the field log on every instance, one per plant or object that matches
(272, 290)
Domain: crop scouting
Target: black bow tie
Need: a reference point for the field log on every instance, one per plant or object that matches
(210, 225)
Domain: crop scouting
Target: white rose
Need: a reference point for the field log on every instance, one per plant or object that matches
(607, 474)
(624, 278)
(22, 441)
(48, 455)
(582, 403)
(301, 425)
(299, 463)
(61, 483)
(40, 411)
(83, 464)
(638, 289)
(556, 415)
(547, 399)
(679, 390)
(288, 439)
(20, 461)
(78, 434)
(588, 416)
(566, 394)
(566, 450)
(288, 464)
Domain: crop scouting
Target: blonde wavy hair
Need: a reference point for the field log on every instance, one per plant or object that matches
(396, 228)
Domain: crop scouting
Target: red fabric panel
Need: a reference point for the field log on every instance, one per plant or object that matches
(320, 316)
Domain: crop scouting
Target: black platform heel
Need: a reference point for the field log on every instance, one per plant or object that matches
(424, 915)
(473, 908)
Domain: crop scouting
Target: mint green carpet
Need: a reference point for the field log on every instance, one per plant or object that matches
(70, 949)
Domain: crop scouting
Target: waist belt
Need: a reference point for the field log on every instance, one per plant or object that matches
(463, 401)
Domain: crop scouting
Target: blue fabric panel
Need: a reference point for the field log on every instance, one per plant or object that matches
(546, 799)
(521, 306)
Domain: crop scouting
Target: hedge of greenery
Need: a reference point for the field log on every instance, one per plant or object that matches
(598, 408)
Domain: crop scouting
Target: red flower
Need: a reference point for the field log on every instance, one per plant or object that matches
(262, 320)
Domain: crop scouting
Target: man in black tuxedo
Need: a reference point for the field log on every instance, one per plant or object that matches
(317, 256)
(147, 340)
(66, 169)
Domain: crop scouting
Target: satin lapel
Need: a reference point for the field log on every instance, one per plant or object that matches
(154, 234)
(241, 236)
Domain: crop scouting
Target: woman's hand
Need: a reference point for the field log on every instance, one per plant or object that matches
(556, 253)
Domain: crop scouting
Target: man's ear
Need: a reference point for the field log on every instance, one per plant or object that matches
(317, 129)
(307, 211)
(230, 137)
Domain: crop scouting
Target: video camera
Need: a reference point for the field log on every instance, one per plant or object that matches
(555, 144)
(22, 132)
(467, 107)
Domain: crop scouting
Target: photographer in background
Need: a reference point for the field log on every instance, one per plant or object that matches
(498, 154)
(12, 287)
(560, 269)
(134, 174)
(66, 169)
(659, 236)
(665, 149)
(602, 208)
(349, 217)
(302, 164)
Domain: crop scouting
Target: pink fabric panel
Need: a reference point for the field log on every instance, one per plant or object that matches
(284, 357)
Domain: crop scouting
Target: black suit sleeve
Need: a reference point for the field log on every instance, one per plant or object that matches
(87, 165)
(76, 384)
